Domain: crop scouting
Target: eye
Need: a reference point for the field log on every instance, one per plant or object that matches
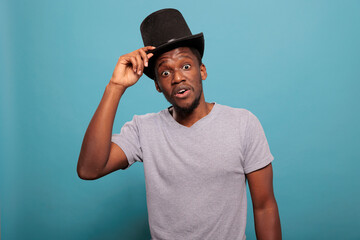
(165, 73)
(186, 66)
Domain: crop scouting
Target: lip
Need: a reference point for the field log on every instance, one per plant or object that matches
(183, 95)
(187, 88)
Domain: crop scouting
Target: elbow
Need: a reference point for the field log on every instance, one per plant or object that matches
(265, 203)
(266, 207)
(85, 173)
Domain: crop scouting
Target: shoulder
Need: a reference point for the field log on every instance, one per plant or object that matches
(240, 116)
(232, 112)
(232, 118)
(149, 118)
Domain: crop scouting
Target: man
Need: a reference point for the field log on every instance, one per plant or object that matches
(197, 155)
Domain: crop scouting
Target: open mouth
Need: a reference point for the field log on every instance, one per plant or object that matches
(182, 92)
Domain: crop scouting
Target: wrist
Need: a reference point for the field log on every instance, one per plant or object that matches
(116, 87)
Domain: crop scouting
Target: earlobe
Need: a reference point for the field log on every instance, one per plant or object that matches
(203, 72)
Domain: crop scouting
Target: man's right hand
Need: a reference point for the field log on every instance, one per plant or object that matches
(130, 67)
(98, 155)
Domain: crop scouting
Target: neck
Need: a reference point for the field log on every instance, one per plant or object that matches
(188, 119)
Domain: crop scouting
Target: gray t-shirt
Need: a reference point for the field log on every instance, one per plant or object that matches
(195, 176)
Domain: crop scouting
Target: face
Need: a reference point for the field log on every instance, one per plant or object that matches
(179, 77)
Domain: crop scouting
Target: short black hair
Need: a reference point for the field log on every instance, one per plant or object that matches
(197, 54)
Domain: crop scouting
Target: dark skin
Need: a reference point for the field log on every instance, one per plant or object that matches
(179, 77)
(177, 70)
(266, 214)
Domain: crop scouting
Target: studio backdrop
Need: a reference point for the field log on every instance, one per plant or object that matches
(294, 64)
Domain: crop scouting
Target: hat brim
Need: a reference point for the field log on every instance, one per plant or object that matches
(195, 41)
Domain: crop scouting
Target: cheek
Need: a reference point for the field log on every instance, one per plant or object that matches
(192, 75)
(165, 89)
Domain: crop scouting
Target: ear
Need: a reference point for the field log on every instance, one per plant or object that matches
(157, 86)
(203, 72)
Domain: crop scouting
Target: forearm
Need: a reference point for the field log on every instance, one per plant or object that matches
(267, 223)
(97, 140)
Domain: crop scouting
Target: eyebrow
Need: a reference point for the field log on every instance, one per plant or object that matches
(181, 56)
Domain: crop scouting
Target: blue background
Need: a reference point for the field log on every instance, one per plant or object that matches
(294, 64)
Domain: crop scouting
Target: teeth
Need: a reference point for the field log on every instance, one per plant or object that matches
(182, 91)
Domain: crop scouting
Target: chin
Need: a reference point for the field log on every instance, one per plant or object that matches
(189, 108)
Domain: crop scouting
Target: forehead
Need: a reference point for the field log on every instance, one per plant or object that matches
(175, 54)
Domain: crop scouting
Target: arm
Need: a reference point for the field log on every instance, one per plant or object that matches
(266, 214)
(98, 155)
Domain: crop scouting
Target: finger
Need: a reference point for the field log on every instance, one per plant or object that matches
(144, 57)
(149, 55)
(134, 63)
(140, 65)
(147, 48)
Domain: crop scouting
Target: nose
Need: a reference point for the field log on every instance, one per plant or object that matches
(178, 76)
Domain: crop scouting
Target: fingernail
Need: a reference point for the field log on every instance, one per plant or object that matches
(139, 72)
(146, 64)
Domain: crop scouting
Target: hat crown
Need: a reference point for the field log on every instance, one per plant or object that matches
(167, 29)
(164, 26)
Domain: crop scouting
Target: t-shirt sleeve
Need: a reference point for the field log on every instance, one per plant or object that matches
(128, 141)
(257, 152)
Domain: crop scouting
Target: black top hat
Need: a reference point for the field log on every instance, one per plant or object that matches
(166, 29)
